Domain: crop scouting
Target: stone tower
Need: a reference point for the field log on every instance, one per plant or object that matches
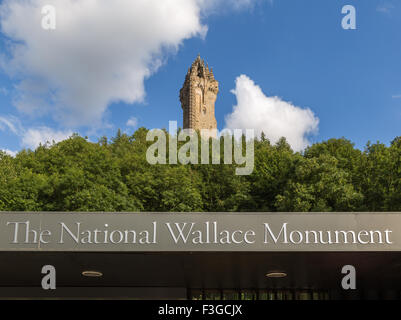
(198, 96)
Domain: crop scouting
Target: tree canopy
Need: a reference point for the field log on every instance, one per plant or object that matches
(79, 175)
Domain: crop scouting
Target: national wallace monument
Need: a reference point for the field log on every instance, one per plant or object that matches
(198, 96)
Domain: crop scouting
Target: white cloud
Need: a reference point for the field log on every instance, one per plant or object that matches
(10, 152)
(271, 115)
(101, 51)
(396, 96)
(32, 138)
(213, 6)
(10, 123)
(132, 122)
(385, 8)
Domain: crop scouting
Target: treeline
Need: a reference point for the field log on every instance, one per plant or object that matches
(78, 175)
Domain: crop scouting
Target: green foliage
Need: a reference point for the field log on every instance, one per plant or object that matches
(113, 175)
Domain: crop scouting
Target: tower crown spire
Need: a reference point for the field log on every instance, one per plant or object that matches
(200, 69)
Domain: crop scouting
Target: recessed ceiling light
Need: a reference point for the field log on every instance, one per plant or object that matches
(93, 274)
(276, 274)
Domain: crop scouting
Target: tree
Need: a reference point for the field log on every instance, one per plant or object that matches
(114, 175)
(318, 184)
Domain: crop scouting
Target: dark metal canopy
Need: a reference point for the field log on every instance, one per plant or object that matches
(176, 275)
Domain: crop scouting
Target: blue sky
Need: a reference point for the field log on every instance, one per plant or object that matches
(295, 50)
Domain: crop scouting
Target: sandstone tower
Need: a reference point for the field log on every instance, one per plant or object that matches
(198, 96)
